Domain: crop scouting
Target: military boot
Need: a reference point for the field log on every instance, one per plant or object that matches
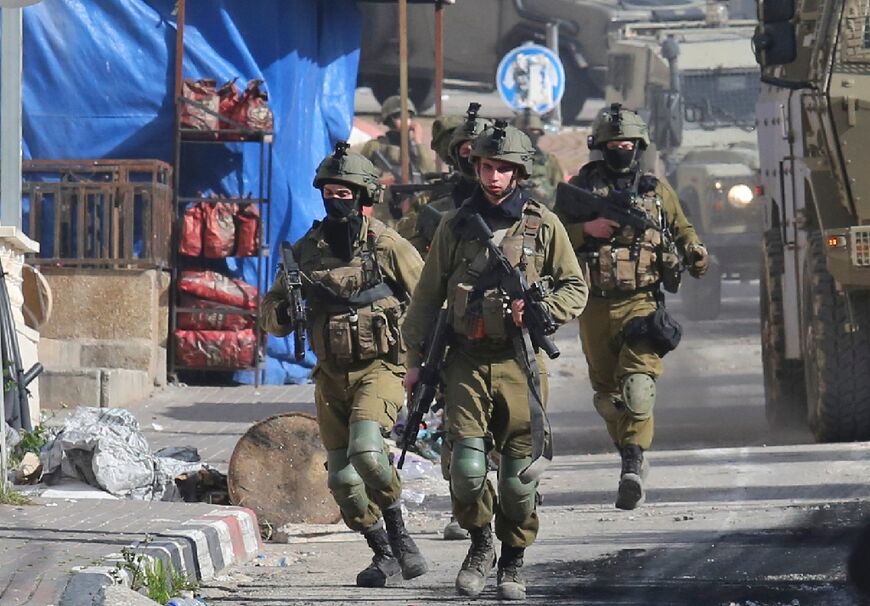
(510, 583)
(630, 493)
(478, 562)
(454, 532)
(383, 565)
(410, 559)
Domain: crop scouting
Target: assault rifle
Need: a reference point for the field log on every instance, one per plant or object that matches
(427, 386)
(538, 325)
(579, 205)
(433, 181)
(536, 318)
(292, 276)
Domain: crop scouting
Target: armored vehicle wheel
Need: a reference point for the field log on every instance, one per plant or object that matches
(278, 470)
(702, 299)
(836, 349)
(784, 393)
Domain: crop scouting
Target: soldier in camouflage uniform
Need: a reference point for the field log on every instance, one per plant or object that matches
(357, 276)
(624, 270)
(420, 227)
(546, 171)
(487, 389)
(385, 153)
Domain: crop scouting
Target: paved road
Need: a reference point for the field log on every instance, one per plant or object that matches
(735, 514)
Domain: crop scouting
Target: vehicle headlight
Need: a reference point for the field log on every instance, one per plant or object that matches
(740, 196)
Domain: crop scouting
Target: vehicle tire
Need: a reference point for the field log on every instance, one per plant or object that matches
(420, 90)
(702, 298)
(836, 349)
(784, 391)
(578, 88)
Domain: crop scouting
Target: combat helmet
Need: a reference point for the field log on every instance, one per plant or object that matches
(472, 126)
(352, 169)
(392, 106)
(618, 124)
(442, 133)
(528, 120)
(507, 143)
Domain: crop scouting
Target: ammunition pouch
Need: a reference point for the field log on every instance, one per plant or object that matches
(659, 329)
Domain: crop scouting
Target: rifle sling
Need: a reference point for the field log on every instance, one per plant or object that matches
(542, 437)
(361, 299)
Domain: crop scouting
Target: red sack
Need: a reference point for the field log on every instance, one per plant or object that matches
(247, 228)
(215, 348)
(255, 112)
(210, 320)
(203, 99)
(219, 230)
(219, 288)
(191, 232)
(230, 98)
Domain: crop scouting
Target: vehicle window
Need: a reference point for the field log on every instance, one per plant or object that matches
(720, 98)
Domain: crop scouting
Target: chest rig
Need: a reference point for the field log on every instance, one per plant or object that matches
(630, 260)
(478, 308)
(354, 315)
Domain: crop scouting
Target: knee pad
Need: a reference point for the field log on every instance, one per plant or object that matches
(468, 469)
(607, 407)
(515, 498)
(344, 483)
(639, 395)
(366, 453)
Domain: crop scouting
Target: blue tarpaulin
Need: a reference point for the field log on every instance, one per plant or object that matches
(99, 83)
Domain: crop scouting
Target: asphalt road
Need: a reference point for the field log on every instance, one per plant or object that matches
(735, 515)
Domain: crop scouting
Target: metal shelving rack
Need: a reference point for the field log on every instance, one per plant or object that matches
(184, 137)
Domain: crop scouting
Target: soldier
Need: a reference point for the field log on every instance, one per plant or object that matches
(624, 269)
(490, 396)
(385, 153)
(357, 276)
(420, 226)
(546, 171)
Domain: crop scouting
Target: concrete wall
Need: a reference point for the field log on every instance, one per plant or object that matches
(104, 321)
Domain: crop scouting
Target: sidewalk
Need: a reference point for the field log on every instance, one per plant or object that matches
(41, 544)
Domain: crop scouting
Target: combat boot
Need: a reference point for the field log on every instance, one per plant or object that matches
(630, 493)
(405, 550)
(510, 584)
(454, 532)
(383, 565)
(478, 562)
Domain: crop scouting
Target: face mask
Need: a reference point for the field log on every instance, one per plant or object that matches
(338, 209)
(535, 137)
(620, 160)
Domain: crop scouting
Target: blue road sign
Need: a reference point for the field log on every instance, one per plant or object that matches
(531, 76)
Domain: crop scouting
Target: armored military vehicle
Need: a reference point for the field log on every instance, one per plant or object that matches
(813, 133)
(478, 33)
(696, 84)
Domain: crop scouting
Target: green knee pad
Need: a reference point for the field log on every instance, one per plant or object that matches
(344, 483)
(515, 498)
(605, 404)
(639, 395)
(468, 469)
(366, 454)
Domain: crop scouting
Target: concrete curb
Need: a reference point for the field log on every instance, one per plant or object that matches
(200, 548)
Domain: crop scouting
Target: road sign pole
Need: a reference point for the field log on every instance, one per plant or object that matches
(553, 45)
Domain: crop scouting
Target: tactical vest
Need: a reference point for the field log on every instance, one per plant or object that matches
(479, 309)
(353, 314)
(629, 261)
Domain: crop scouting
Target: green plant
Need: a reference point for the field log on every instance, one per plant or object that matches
(31, 441)
(8, 496)
(160, 582)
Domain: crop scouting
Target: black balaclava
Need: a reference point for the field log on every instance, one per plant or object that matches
(342, 225)
(622, 162)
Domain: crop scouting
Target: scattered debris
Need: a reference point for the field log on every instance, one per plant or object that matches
(28, 470)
